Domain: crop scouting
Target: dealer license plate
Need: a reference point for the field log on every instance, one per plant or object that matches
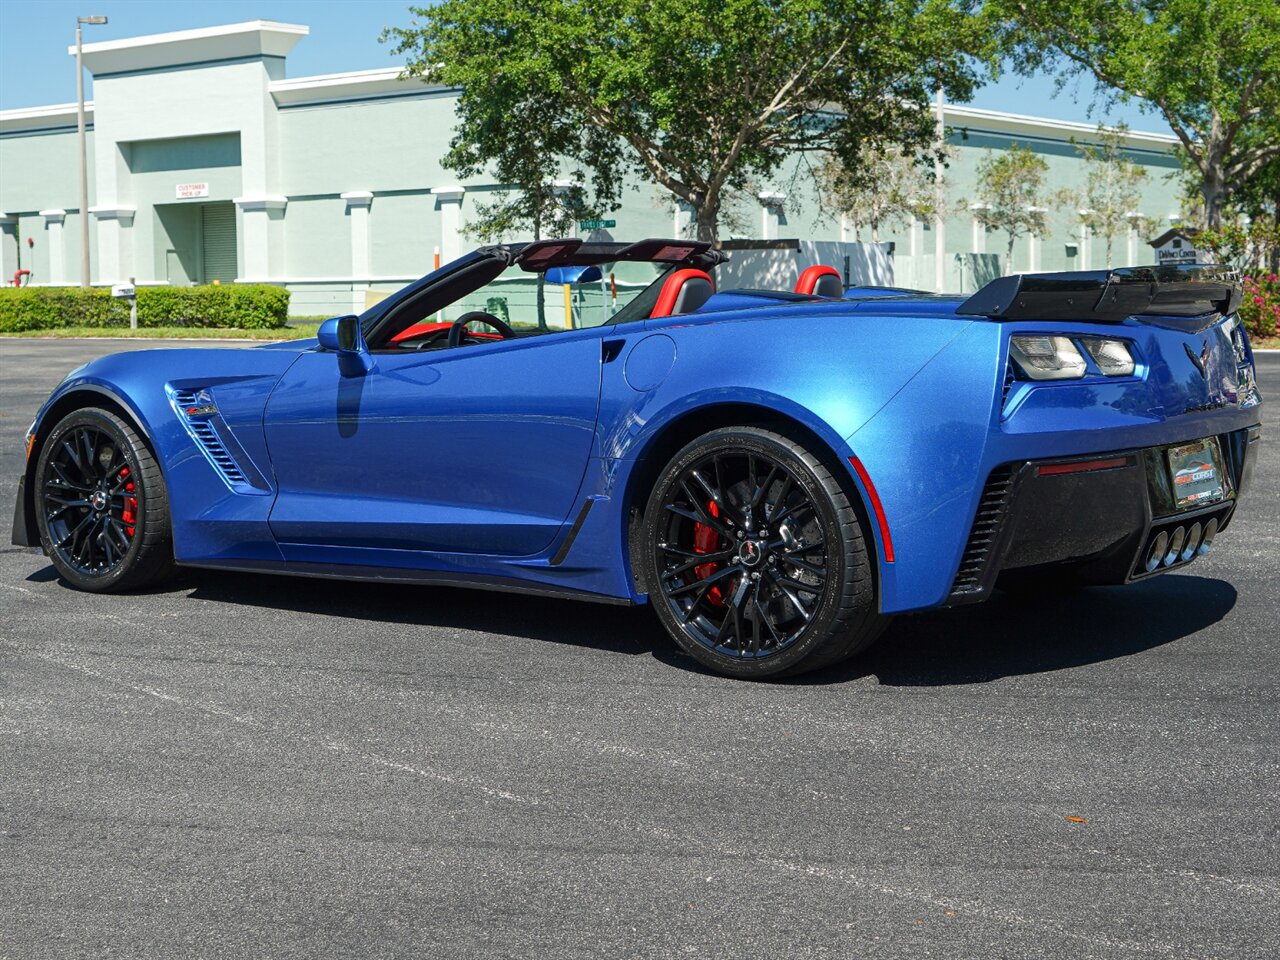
(1197, 473)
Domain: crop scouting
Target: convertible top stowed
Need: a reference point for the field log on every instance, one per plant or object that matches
(570, 251)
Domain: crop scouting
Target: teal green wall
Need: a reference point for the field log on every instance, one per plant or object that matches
(219, 125)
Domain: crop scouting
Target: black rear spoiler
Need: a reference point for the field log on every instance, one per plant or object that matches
(1109, 296)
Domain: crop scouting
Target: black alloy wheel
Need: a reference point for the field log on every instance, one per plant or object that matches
(101, 506)
(757, 562)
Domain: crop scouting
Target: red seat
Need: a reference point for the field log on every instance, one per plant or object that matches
(683, 292)
(821, 281)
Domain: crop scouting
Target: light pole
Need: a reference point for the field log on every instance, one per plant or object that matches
(84, 158)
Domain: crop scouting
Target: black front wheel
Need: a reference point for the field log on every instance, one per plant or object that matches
(101, 505)
(756, 560)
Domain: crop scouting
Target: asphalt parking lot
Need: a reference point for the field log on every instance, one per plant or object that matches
(239, 766)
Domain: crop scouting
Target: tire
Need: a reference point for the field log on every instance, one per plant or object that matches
(117, 535)
(786, 585)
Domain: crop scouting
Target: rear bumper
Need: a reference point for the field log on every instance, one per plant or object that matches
(1100, 525)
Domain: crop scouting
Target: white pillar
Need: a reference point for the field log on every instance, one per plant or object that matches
(979, 241)
(682, 221)
(358, 204)
(115, 243)
(913, 275)
(770, 212)
(1085, 259)
(8, 247)
(449, 203)
(53, 222)
(1033, 244)
(260, 258)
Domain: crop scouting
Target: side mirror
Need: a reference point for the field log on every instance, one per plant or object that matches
(343, 336)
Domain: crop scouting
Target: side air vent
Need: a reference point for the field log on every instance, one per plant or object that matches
(971, 580)
(1008, 384)
(196, 411)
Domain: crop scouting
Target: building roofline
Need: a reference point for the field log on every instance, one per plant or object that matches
(37, 118)
(999, 119)
(228, 41)
(354, 84)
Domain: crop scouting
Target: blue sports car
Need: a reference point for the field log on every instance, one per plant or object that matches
(776, 471)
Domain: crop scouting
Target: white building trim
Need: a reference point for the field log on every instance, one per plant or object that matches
(53, 223)
(109, 212)
(37, 118)
(1033, 243)
(261, 202)
(1131, 244)
(979, 239)
(358, 204)
(998, 121)
(449, 203)
(771, 202)
(252, 38)
(356, 84)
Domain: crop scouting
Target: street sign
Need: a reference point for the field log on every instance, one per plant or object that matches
(597, 224)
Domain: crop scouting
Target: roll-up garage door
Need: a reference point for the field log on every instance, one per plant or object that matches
(218, 232)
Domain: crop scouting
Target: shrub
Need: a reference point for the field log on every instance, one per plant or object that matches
(243, 306)
(1260, 308)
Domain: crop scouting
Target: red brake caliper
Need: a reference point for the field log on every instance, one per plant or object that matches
(706, 540)
(130, 512)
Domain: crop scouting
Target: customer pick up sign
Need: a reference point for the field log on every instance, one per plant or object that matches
(189, 191)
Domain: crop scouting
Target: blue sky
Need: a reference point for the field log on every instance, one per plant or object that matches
(35, 69)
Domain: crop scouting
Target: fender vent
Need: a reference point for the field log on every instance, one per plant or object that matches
(203, 432)
(970, 582)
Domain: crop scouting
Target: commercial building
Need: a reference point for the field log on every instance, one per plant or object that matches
(209, 163)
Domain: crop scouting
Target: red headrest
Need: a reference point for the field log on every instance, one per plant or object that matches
(683, 292)
(821, 280)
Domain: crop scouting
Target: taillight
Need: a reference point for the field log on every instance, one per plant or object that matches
(1112, 356)
(1047, 358)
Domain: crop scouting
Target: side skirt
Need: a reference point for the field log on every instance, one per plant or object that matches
(399, 575)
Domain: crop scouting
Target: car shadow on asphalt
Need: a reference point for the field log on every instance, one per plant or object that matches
(1003, 637)
(613, 628)
(1011, 636)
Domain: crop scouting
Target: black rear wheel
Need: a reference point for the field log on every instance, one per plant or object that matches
(101, 506)
(757, 564)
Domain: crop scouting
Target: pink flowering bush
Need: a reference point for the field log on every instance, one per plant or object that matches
(1260, 308)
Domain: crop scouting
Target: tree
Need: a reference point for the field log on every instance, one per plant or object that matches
(696, 96)
(1011, 188)
(1109, 200)
(1209, 67)
(886, 185)
(1259, 199)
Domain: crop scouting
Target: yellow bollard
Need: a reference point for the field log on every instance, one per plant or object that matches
(568, 307)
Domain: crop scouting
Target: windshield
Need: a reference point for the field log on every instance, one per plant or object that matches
(531, 301)
(527, 303)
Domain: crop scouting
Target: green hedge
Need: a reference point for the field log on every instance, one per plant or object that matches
(246, 306)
